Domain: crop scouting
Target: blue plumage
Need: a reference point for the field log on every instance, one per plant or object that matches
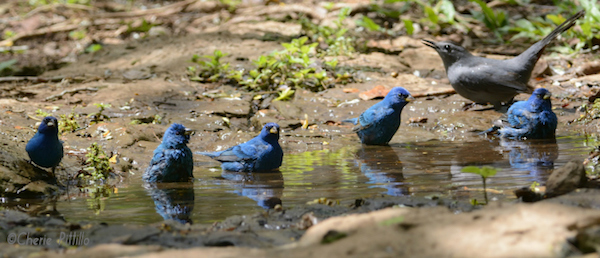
(44, 148)
(261, 153)
(378, 124)
(531, 119)
(172, 160)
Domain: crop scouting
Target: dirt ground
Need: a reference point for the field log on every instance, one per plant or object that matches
(145, 75)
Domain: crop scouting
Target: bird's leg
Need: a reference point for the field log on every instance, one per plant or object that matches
(472, 105)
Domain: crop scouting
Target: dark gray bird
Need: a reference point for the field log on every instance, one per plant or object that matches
(485, 80)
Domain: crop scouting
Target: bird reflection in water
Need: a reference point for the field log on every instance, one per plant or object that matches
(535, 156)
(173, 201)
(382, 166)
(266, 188)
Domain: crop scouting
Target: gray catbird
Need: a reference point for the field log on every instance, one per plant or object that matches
(485, 80)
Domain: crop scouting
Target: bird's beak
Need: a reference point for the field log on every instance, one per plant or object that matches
(547, 95)
(409, 98)
(430, 43)
(51, 124)
(189, 131)
(274, 130)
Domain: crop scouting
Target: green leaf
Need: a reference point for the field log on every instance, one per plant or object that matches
(485, 171)
(408, 24)
(447, 8)
(333, 63)
(285, 94)
(7, 64)
(471, 169)
(93, 48)
(555, 18)
(431, 15)
(144, 27)
(77, 34)
(368, 24)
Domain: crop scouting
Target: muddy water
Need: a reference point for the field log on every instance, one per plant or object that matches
(420, 169)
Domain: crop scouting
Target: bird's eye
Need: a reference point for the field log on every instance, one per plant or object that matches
(448, 48)
(177, 132)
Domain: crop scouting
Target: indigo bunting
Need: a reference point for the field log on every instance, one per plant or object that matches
(378, 124)
(531, 119)
(44, 148)
(172, 160)
(261, 153)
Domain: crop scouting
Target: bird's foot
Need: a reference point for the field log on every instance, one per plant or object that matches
(472, 107)
(490, 131)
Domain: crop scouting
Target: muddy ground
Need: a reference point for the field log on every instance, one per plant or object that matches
(141, 77)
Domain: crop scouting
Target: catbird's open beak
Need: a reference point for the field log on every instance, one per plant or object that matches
(189, 131)
(429, 43)
(274, 130)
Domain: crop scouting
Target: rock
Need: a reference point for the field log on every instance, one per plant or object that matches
(587, 240)
(584, 198)
(37, 188)
(18, 178)
(288, 109)
(566, 179)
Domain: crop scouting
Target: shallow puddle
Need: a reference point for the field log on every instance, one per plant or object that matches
(420, 169)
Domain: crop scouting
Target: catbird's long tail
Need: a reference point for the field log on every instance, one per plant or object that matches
(563, 27)
(530, 56)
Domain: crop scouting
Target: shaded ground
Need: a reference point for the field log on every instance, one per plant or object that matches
(144, 76)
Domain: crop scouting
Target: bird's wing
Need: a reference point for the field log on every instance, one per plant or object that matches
(250, 150)
(159, 160)
(488, 77)
(518, 116)
(372, 115)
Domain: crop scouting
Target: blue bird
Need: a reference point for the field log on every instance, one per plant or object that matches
(531, 119)
(172, 160)
(44, 148)
(378, 124)
(261, 153)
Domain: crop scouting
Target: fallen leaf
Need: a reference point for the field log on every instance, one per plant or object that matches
(419, 119)
(351, 90)
(378, 91)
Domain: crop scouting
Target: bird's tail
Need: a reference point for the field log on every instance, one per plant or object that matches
(529, 57)
(208, 154)
(354, 121)
(563, 27)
